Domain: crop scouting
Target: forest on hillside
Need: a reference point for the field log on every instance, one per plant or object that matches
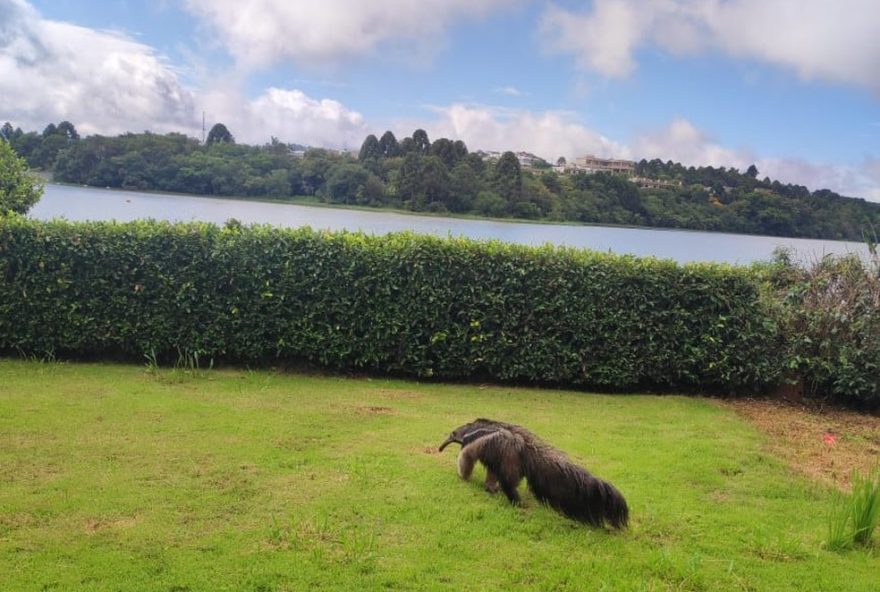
(443, 176)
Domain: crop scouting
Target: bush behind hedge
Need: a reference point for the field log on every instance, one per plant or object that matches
(400, 303)
(830, 315)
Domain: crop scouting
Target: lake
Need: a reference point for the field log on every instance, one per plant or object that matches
(88, 203)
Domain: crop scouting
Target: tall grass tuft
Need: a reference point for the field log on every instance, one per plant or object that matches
(838, 523)
(855, 516)
(865, 506)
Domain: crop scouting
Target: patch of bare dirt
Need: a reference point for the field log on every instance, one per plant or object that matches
(400, 394)
(374, 410)
(93, 525)
(824, 444)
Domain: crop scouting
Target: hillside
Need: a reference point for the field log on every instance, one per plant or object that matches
(444, 176)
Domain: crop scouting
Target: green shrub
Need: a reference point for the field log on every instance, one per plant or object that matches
(19, 189)
(830, 317)
(405, 304)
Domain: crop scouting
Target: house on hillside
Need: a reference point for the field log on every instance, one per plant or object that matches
(646, 183)
(527, 160)
(594, 164)
(489, 155)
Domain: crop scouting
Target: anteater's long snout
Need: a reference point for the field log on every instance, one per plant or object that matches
(448, 441)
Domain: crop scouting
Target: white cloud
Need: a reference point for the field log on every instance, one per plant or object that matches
(682, 142)
(290, 115)
(603, 40)
(107, 83)
(102, 81)
(837, 41)
(510, 91)
(871, 170)
(853, 180)
(260, 32)
(548, 134)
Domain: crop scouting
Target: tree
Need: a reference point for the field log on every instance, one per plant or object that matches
(345, 181)
(752, 172)
(406, 146)
(423, 180)
(435, 181)
(408, 177)
(551, 182)
(507, 181)
(66, 129)
(460, 149)
(26, 144)
(445, 150)
(614, 189)
(19, 190)
(44, 156)
(42, 151)
(277, 183)
(562, 162)
(370, 149)
(219, 134)
(6, 132)
(315, 168)
(276, 147)
(372, 192)
(388, 145)
(421, 142)
(490, 203)
(476, 163)
(464, 184)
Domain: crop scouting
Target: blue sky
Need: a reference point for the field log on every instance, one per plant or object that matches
(792, 86)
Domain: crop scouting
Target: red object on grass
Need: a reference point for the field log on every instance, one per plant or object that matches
(829, 439)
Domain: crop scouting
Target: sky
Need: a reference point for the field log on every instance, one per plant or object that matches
(792, 86)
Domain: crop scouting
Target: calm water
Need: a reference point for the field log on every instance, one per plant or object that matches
(81, 203)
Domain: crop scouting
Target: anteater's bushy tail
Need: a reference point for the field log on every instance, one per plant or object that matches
(570, 489)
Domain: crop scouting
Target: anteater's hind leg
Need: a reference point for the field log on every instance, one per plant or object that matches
(509, 489)
(509, 476)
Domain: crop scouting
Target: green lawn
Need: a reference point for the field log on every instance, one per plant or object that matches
(120, 478)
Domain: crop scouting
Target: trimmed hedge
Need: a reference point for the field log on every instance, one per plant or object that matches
(401, 303)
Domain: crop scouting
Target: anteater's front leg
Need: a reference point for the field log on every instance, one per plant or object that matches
(467, 458)
(491, 481)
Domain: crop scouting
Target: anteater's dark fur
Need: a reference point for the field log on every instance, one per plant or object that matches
(511, 452)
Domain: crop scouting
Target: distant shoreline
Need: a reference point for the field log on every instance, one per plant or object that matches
(311, 201)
